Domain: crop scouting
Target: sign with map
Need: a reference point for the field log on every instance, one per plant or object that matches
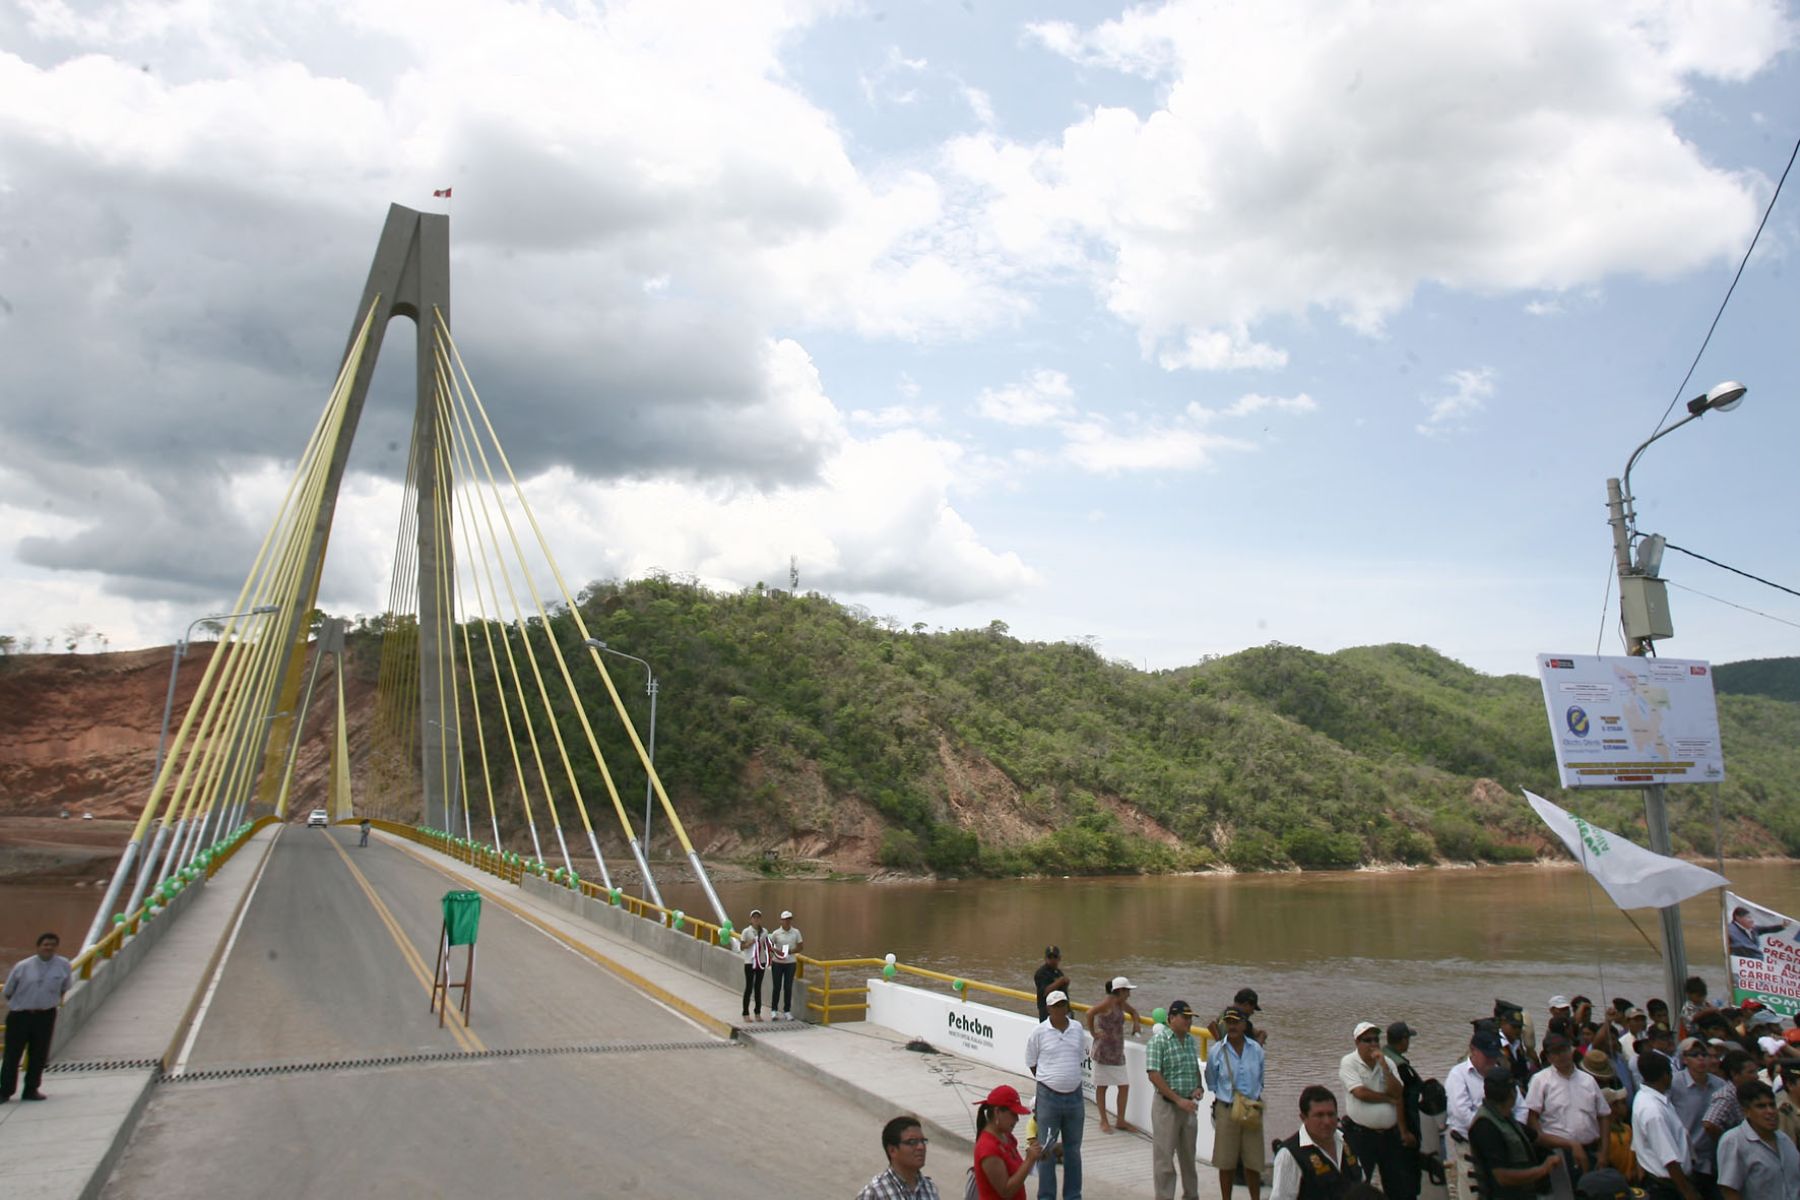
(1629, 722)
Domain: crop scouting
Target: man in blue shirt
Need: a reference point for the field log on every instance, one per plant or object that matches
(34, 990)
(1234, 1068)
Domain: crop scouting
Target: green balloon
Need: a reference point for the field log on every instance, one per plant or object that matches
(958, 985)
(680, 919)
(118, 918)
(615, 897)
(726, 927)
(1159, 1015)
(724, 936)
(889, 970)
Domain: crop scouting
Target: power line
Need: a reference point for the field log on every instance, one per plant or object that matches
(1726, 567)
(1744, 607)
(1681, 389)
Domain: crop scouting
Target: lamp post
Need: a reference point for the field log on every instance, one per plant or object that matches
(1644, 614)
(132, 849)
(651, 687)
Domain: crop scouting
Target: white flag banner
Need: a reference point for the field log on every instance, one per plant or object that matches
(1633, 876)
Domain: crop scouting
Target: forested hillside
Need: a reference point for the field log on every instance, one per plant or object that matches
(975, 752)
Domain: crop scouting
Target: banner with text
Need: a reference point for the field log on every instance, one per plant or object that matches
(996, 1037)
(1763, 949)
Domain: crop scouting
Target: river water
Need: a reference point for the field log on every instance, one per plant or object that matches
(1323, 950)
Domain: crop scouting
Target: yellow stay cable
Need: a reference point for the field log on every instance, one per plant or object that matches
(525, 641)
(556, 653)
(574, 609)
(200, 708)
(449, 708)
(487, 633)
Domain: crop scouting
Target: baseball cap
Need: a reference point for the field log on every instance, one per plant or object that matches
(1231, 1014)
(1363, 1027)
(1399, 1030)
(1751, 1006)
(1057, 997)
(1635, 1014)
(1246, 998)
(1005, 1096)
(756, 912)
(1605, 1184)
(1689, 1044)
(1486, 1041)
(786, 915)
(1180, 1008)
(1559, 1002)
(1052, 951)
(1120, 982)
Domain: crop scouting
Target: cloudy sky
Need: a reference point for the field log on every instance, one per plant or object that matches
(1185, 326)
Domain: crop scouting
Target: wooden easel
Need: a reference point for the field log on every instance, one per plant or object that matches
(462, 915)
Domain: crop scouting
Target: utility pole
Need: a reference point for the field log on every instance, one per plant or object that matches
(1644, 615)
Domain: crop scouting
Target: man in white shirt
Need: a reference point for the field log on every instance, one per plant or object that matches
(1054, 1053)
(1372, 1110)
(1635, 1024)
(1565, 1109)
(1658, 1139)
(1465, 1091)
(34, 991)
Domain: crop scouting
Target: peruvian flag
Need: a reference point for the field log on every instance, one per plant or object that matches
(443, 192)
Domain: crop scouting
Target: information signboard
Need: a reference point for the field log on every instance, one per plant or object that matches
(1629, 722)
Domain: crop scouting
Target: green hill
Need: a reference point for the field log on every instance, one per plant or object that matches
(1776, 678)
(982, 753)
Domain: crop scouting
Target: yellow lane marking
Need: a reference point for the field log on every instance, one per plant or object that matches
(464, 1036)
(686, 1008)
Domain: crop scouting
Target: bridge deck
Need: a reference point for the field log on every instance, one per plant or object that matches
(314, 1067)
(284, 1094)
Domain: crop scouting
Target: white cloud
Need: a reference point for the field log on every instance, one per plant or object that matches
(1042, 397)
(894, 416)
(1449, 412)
(1254, 402)
(1300, 158)
(1097, 446)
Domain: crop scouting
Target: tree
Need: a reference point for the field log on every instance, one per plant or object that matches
(74, 635)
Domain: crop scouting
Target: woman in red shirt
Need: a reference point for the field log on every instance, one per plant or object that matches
(1000, 1173)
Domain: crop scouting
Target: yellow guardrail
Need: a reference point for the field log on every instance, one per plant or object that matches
(126, 926)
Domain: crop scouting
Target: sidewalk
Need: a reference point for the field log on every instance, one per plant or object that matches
(100, 1082)
(866, 1064)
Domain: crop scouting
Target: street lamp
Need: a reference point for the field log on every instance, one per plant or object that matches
(133, 848)
(651, 687)
(1644, 614)
(175, 667)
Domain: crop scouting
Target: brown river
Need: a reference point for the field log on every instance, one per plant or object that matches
(1323, 950)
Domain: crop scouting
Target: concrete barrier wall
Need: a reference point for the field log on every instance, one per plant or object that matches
(716, 963)
(86, 996)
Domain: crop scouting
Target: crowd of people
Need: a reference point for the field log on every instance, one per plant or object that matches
(1621, 1103)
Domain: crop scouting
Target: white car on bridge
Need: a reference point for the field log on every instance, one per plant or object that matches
(318, 817)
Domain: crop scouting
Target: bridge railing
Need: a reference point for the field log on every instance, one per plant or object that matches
(832, 998)
(126, 925)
